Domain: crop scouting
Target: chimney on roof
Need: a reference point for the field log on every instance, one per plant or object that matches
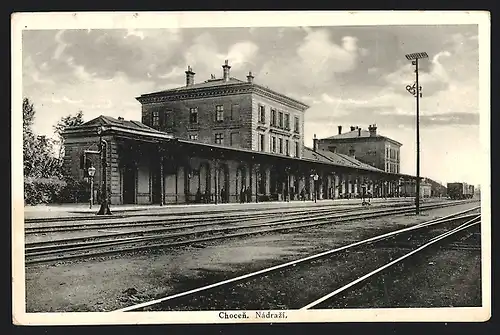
(189, 76)
(250, 77)
(373, 130)
(120, 118)
(226, 68)
(315, 143)
(353, 128)
(340, 130)
(352, 152)
(359, 132)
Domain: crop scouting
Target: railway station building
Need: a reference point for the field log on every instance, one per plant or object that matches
(368, 147)
(221, 140)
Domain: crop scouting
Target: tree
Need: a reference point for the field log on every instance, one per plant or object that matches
(64, 123)
(38, 159)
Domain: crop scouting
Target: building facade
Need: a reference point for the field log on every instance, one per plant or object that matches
(230, 112)
(147, 166)
(367, 146)
(223, 140)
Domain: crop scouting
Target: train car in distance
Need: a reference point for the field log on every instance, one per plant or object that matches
(471, 193)
(460, 191)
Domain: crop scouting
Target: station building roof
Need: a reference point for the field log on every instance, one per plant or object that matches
(361, 134)
(336, 159)
(142, 131)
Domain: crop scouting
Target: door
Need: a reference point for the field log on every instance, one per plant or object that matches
(156, 185)
(129, 173)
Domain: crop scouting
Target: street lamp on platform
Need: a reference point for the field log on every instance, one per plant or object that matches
(104, 210)
(315, 178)
(415, 90)
(91, 172)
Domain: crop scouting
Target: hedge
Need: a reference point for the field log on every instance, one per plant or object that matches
(54, 190)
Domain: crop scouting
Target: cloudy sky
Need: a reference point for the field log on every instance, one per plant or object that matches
(348, 75)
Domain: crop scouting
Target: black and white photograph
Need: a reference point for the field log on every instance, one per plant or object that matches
(250, 167)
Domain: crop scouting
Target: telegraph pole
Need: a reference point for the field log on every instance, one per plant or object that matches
(415, 90)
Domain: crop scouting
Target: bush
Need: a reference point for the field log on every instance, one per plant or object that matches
(74, 191)
(42, 190)
(54, 190)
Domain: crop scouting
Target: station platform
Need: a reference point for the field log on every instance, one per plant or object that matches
(79, 210)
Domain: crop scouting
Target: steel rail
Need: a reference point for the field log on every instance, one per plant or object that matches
(94, 245)
(163, 221)
(444, 219)
(289, 217)
(435, 239)
(153, 211)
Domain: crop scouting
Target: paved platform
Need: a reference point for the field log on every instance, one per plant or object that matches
(79, 210)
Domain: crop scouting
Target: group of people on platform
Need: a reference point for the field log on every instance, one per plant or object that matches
(245, 195)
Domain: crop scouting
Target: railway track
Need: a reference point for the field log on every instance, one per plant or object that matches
(84, 247)
(259, 290)
(227, 211)
(169, 220)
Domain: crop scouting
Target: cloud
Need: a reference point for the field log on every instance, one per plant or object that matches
(318, 53)
(314, 64)
(32, 75)
(242, 52)
(205, 56)
(175, 72)
(61, 45)
(134, 32)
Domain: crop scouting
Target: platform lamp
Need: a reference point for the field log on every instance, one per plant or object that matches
(91, 172)
(315, 177)
(415, 90)
(104, 210)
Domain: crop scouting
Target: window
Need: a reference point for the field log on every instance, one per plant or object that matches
(273, 144)
(262, 114)
(156, 119)
(387, 152)
(234, 139)
(296, 149)
(261, 142)
(235, 112)
(273, 117)
(280, 119)
(287, 147)
(287, 121)
(193, 137)
(387, 167)
(193, 115)
(219, 113)
(296, 126)
(281, 145)
(219, 138)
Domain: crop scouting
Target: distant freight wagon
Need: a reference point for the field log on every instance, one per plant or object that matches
(460, 190)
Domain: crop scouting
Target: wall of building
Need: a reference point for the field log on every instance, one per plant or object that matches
(370, 150)
(375, 151)
(74, 149)
(174, 117)
(392, 157)
(269, 131)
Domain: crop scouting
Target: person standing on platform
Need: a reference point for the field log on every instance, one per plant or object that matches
(242, 194)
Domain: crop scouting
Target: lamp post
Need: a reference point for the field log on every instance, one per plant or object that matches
(415, 90)
(104, 210)
(315, 178)
(91, 172)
